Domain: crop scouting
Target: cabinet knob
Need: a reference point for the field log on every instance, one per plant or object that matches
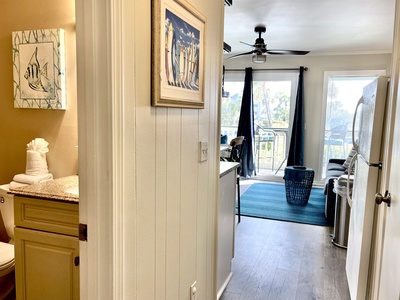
(76, 261)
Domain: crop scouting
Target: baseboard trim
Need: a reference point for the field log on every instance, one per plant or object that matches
(223, 287)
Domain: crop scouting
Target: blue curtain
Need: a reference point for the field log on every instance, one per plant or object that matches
(246, 126)
(296, 148)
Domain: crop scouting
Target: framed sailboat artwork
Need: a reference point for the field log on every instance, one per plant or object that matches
(39, 69)
(178, 31)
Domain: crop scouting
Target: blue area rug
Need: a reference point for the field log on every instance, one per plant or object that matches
(268, 200)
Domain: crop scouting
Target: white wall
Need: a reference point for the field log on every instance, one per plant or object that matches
(313, 87)
(150, 205)
(176, 195)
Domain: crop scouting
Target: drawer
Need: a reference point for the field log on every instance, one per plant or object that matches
(47, 215)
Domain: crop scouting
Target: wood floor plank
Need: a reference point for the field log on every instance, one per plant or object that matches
(284, 260)
(229, 296)
(311, 279)
(260, 280)
(284, 285)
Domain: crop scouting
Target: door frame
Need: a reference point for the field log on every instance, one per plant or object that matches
(103, 115)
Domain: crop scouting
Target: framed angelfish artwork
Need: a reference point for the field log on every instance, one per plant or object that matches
(39, 69)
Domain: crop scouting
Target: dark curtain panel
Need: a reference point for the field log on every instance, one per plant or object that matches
(296, 148)
(246, 126)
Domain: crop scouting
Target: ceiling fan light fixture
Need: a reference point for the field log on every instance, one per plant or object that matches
(259, 58)
(260, 48)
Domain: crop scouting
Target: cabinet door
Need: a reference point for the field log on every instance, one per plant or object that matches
(226, 229)
(46, 265)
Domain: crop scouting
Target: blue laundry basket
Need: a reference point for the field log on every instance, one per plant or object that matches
(298, 184)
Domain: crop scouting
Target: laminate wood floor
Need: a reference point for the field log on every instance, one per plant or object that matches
(283, 260)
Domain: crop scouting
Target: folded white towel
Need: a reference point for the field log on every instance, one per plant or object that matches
(38, 145)
(14, 184)
(31, 179)
(36, 163)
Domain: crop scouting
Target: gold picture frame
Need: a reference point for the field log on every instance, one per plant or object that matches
(178, 35)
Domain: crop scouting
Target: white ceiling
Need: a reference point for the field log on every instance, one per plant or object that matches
(320, 26)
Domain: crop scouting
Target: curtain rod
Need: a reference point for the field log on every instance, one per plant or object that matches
(279, 69)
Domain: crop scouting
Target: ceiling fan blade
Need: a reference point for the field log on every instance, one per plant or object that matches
(287, 52)
(246, 53)
(248, 44)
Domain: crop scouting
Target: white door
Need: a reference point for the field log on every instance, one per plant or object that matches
(389, 286)
(386, 267)
(360, 229)
(387, 262)
(371, 115)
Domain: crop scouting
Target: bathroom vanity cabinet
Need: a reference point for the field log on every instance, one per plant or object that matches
(46, 248)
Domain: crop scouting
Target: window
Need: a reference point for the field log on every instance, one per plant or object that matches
(274, 94)
(230, 108)
(342, 92)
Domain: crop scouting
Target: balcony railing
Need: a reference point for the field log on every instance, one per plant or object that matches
(271, 146)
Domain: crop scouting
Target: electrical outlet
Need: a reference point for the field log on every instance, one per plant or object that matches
(203, 151)
(193, 291)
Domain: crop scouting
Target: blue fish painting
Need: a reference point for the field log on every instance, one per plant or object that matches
(34, 73)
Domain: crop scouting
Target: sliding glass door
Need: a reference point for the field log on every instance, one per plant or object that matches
(274, 97)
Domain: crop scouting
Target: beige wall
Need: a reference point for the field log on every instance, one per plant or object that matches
(313, 88)
(20, 126)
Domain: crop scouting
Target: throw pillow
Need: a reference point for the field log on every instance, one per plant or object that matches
(348, 159)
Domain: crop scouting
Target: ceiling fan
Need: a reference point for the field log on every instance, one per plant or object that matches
(260, 50)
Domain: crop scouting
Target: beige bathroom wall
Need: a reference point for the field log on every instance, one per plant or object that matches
(19, 126)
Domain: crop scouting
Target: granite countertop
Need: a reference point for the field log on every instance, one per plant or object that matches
(52, 189)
